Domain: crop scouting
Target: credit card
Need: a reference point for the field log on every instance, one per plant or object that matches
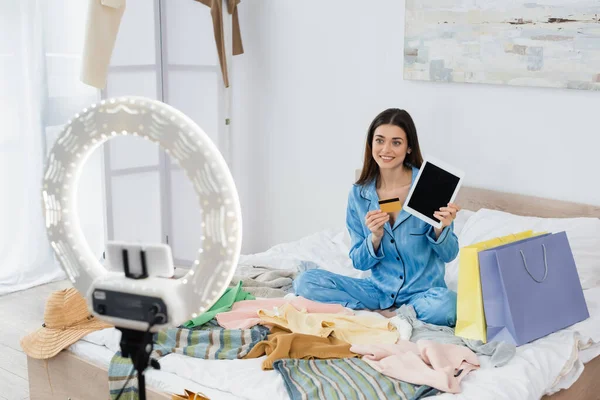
(390, 205)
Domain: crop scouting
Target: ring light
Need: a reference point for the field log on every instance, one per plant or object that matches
(111, 295)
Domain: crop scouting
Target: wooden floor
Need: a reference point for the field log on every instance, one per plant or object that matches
(20, 314)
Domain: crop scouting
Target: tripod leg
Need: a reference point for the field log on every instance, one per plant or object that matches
(142, 385)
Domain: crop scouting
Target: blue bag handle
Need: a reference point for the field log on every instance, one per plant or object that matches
(545, 265)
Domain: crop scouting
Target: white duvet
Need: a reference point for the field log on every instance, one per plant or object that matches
(542, 367)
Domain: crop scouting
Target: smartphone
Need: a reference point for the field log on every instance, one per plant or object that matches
(122, 256)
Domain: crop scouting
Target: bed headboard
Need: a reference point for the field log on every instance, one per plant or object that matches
(471, 198)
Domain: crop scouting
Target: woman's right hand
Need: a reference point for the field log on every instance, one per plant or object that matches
(375, 220)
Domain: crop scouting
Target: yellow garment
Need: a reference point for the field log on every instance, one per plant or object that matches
(189, 395)
(470, 317)
(103, 22)
(348, 328)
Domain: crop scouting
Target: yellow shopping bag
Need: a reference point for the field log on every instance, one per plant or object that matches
(470, 317)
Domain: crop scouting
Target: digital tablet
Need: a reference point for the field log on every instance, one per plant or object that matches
(436, 185)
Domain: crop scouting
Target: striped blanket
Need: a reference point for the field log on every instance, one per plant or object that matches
(118, 371)
(208, 342)
(213, 344)
(343, 379)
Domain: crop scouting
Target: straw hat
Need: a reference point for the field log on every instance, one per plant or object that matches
(67, 319)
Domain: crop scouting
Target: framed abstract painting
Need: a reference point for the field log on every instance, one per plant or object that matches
(551, 43)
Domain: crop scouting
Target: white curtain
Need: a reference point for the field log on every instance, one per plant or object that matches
(40, 46)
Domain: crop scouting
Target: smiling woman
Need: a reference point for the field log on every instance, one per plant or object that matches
(392, 148)
(405, 255)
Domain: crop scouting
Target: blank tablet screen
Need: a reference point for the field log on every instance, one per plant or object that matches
(434, 190)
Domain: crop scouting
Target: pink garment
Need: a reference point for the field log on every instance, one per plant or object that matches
(244, 314)
(438, 365)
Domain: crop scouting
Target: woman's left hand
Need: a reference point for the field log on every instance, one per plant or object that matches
(447, 214)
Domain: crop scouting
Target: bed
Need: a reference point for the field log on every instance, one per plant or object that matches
(567, 360)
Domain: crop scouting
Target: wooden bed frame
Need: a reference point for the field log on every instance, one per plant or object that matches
(67, 376)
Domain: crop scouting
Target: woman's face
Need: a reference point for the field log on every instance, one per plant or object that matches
(389, 146)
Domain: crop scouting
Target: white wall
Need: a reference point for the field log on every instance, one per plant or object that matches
(314, 75)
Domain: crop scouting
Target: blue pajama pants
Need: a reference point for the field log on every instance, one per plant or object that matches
(435, 306)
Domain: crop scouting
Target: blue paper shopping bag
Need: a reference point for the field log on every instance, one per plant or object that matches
(530, 289)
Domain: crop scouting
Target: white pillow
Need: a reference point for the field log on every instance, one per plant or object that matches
(583, 234)
(451, 276)
(461, 219)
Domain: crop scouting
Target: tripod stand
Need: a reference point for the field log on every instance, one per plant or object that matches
(138, 346)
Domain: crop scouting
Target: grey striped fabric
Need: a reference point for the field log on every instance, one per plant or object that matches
(343, 379)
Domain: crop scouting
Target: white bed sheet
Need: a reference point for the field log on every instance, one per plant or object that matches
(542, 367)
(159, 379)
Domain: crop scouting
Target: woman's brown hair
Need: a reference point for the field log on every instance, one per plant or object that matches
(401, 119)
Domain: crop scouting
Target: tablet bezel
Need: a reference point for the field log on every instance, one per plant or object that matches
(448, 168)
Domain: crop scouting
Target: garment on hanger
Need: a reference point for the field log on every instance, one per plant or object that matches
(103, 21)
(216, 11)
